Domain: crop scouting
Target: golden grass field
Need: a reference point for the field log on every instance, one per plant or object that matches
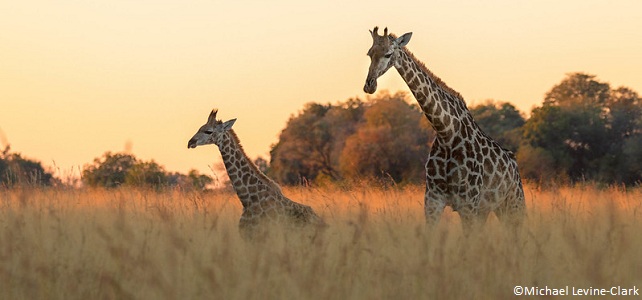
(142, 244)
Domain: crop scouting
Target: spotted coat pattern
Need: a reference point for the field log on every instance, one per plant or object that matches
(466, 169)
(262, 198)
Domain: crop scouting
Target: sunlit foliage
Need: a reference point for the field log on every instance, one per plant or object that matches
(383, 137)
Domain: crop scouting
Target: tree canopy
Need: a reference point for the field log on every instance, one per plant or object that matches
(584, 131)
(384, 137)
(310, 145)
(501, 121)
(391, 140)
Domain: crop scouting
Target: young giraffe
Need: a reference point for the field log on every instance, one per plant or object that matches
(261, 197)
(466, 169)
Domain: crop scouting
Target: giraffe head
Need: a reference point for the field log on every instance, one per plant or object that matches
(211, 133)
(383, 55)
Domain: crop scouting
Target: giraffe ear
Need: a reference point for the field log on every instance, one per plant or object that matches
(403, 40)
(228, 124)
(212, 118)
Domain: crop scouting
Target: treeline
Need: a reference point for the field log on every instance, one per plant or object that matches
(123, 169)
(385, 138)
(110, 171)
(584, 131)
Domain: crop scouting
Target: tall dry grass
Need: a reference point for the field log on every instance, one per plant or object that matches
(138, 244)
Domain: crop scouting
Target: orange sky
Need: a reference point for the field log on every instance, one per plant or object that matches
(78, 78)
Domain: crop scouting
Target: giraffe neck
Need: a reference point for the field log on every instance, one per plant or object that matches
(444, 108)
(243, 173)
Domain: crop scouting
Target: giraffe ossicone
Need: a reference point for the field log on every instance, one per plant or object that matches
(466, 169)
(261, 197)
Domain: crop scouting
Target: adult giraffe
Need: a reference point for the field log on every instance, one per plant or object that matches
(466, 169)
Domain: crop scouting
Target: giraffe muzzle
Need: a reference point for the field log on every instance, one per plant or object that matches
(191, 144)
(371, 86)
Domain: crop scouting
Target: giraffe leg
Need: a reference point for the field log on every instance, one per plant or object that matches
(433, 207)
(472, 220)
(471, 211)
(512, 212)
(435, 196)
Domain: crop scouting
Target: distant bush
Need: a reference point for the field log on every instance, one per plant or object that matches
(122, 169)
(16, 170)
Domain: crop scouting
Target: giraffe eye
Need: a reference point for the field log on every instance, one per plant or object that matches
(208, 132)
(388, 55)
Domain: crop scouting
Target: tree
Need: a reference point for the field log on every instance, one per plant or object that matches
(192, 181)
(625, 113)
(146, 174)
(309, 145)
(571, 125)
(577, 90)
(262, 164)
(501, 121)
(122, 169)
(391, 141)
(539, 164)
(383, 137)
(584, 128)
(541, 139)
(17, 170)
(623, 160)
(630, 171)
(110, 171)
(199, 181)
(303, 147)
